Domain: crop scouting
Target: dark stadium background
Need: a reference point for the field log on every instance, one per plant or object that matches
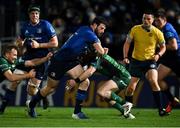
(68, 15)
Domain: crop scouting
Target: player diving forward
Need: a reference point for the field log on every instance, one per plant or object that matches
(119, 78)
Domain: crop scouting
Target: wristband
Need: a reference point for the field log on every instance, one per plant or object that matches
(159, 55)
(77, 80)
(125, 57)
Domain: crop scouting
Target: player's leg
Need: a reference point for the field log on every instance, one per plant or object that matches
(8, 96)
(152, 77)
(41, 94)
(10, 92)
(81, 92)
(163, 72)
(106, 91)
(131, 88)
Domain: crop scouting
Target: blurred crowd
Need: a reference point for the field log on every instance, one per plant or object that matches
(67, 15)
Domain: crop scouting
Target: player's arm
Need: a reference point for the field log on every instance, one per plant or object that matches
(126, 49)
(100, 50)
(172, 44)
(162, 49)
(53, 43)
(38, 61)
(86, 74)
(16, 77)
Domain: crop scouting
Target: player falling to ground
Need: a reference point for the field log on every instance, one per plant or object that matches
(65, 61)
(170, 61)
(146, 38)
(118, 79)
(8, 63)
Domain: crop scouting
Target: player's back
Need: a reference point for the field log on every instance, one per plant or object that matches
(77, 44)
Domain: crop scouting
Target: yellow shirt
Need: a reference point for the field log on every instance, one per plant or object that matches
(145, 43)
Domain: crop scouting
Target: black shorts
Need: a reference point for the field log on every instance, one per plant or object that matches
(171, 62)
(40, 70)
(58, 68)
(139, 68)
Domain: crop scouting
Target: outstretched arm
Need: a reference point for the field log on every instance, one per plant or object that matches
(38, 61)
(15, 77)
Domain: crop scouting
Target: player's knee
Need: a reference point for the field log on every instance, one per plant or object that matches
(32, 91)
(130, 91)
(84, 85)
(32, 88)
(104, 94)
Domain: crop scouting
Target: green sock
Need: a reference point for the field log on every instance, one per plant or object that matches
(117, 98)
(118, 107)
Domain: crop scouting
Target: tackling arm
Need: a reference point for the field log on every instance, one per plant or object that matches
(38, 61)
(16, 77)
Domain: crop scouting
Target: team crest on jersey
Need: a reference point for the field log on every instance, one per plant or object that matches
(150, 34)
(39, 30)
(26, 32)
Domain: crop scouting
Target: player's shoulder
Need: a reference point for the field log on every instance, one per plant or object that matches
(44, 22)
(168, 27)
(2, 60)
(156, 30)
(85, 30)
(136, 27)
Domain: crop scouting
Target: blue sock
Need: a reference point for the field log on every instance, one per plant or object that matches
(80, 97)
(35, 99)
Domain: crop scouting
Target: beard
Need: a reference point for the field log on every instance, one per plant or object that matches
(98, 33)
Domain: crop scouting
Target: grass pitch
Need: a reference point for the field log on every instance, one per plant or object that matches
(98, 117)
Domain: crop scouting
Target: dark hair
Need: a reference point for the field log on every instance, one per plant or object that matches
(161, 13)
(33, 8)
(8, 48)
(99, 20)
(149, 11)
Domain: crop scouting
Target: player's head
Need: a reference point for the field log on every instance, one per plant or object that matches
(99, 25)
(10, 53)
(160, 18)
(148, 18)
(34, 13)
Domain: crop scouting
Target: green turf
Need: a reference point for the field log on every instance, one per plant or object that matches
(99, 117)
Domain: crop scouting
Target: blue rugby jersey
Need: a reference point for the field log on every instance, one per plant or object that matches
(169, 32)
(42, 33)
(81, 41)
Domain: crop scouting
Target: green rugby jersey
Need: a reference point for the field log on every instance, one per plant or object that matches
(6, 65)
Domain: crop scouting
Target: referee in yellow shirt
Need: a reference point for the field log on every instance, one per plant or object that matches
(146, 38)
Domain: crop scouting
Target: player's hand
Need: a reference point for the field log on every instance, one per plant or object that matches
(156, 57)
(19, 42)
(70, 84)
(32, 73)
(49, 55)
(106, 50)
(126, 61)
(35, 44)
